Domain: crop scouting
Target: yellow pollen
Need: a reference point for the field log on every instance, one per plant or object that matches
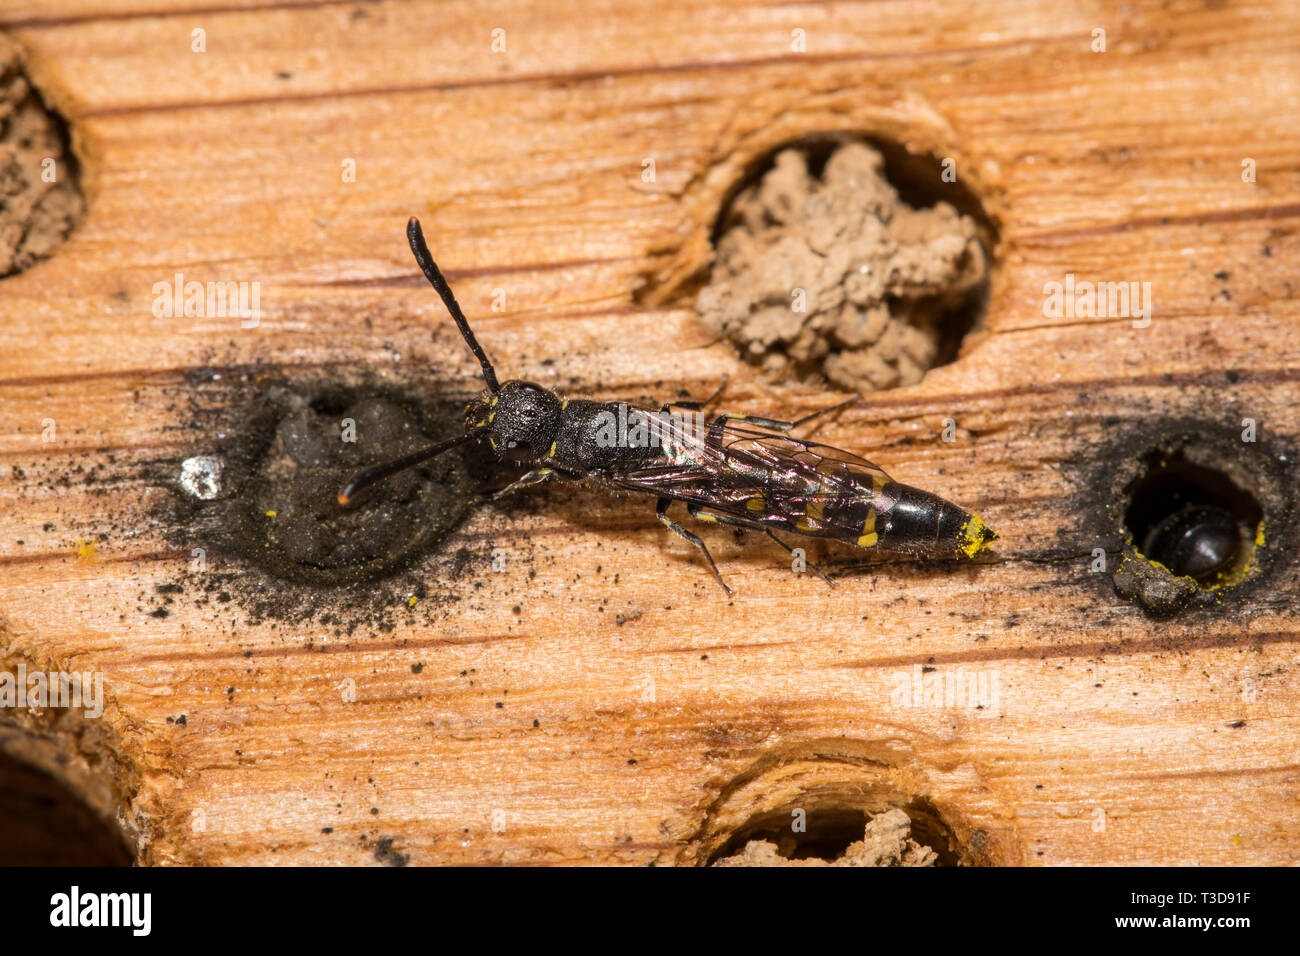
(975, 536)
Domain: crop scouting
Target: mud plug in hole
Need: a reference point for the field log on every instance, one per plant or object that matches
(842, 834)
(269, 491)
(841, 802)
(43, 200)
(850, 259)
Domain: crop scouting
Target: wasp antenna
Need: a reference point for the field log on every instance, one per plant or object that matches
(415, 236)
(379, 472)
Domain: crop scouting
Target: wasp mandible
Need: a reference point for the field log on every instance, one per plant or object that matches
(751, 475)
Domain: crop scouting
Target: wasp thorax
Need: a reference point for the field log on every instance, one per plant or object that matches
(521, 420)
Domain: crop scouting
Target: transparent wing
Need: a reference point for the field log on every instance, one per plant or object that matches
(765, 476)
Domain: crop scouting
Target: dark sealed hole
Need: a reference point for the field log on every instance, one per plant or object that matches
(40, 192)
(272, 494)
(1192, 520)
(43, 822)
(849, 259)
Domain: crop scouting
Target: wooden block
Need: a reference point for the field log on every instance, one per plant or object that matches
(598, 700)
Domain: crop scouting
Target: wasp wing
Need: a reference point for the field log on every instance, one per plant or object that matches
(767, 478)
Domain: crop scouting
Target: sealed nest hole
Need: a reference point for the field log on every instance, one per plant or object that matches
(268, 490)
(849, 260)
(40, 193)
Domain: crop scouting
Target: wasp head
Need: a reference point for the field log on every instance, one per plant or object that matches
(521, 420)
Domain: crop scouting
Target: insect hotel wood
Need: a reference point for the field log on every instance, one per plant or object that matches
(438, 676)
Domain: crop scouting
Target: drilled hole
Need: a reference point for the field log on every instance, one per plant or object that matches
(1192, 520)
(839, 829)
(44, 822)
(40, 192)
(849, 259)
(1192, 515)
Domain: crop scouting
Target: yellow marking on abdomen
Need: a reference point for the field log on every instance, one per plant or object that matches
(869, 536)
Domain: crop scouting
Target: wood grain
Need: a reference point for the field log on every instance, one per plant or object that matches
(627, 713)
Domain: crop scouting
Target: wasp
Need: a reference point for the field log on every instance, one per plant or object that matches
(728, 469)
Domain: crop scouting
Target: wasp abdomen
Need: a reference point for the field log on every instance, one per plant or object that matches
(913, 521)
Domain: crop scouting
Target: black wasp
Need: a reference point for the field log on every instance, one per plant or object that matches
(750, 476)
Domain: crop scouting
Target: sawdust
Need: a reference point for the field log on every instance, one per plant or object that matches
(885, 286)
(886, 841)
(36, 214)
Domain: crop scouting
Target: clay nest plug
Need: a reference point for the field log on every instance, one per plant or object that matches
(834, 275)
(40, 198)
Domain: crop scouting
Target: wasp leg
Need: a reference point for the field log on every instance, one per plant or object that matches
(535, 477)
(776, 424)
(695, 404)
(830, 581)
(713, 517)
(661, 512)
